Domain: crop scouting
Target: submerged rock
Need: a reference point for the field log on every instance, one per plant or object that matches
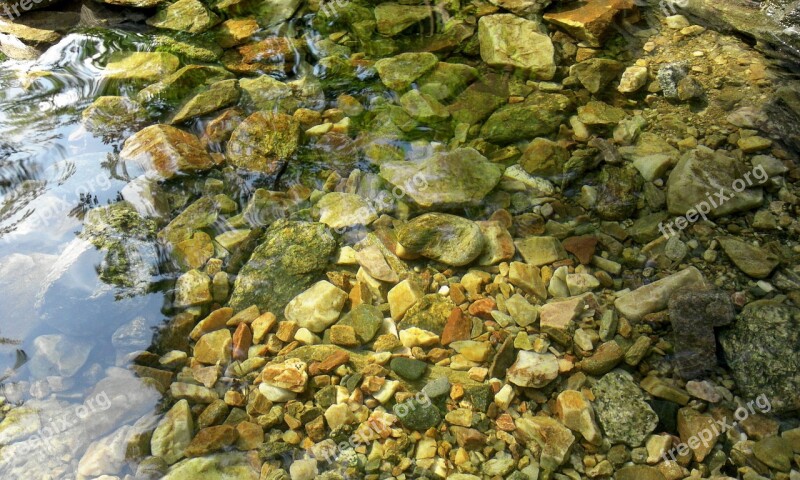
(263, 142)
(622, 410)
(762, 348)
(442, 237)
(500, 37)
(703, 175)
(291, 257)
(399, 72)
(755, 261)
(538, 116)
(185, 16)
(219, 95)
(141, 66)
(392, 18)
(173, 433)
(459, 178)
(165, 151)
(111, 115)
(694, 315)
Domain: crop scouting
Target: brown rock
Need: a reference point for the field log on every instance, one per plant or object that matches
(457, 327)
(211, 439)
(691, 424)
(337, 358)
(591, 20)
(251, 436)
(582, 247)
(164, 151)
(214, 321)
(483, 308)
(469, 438)
(242, 340)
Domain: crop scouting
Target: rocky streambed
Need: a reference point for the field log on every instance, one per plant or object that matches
(471, 240)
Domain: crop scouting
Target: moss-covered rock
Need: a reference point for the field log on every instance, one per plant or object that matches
(539, 115)
(113, 116)
(263, 142)
(218, 95)
(141, 66)
(185, 16)
(173, 89)
(459, 178)
(292, 256)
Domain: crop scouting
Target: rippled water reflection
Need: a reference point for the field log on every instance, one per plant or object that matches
(66, 336)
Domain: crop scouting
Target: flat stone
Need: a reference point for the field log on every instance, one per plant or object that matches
(164, 151)
(402, 297)
(141, 66)
(500, 36)
(694, 314)
(604, 359)
(539, 115)
(690, 425)
(218, 96)
(702, 173)
(442, 237)
(392, 18)
(600, 113)
(462, 177)
(590, 21)
(538, 251)
(655, 296)
(289, 375)
(58, 355)
(552, 437)
(408, 368)
(366, 320)
(214, 348)
(291, 256)
(192, 288)
(399, 72)
(755, 261)
(345, 210)
(577, 414)
(211, 439)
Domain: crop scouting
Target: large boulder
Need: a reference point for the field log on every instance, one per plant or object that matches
(459, 178)
(762, 348)
(291, 257)
(510, 41)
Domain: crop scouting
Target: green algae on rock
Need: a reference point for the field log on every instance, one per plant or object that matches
(141, 66)
(291, 256)
(264, 142)
(186, 16)
(459, 178)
